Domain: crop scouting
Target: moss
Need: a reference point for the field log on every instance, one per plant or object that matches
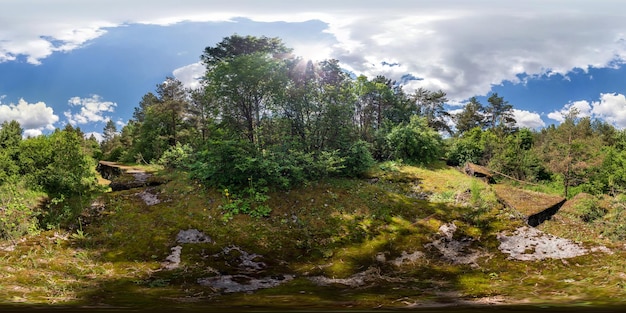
(336, 228)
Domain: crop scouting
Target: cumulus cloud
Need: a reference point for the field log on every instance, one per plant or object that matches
(528, 119)
(610, 107)
(582, 106)
(190, 74)
(91, 109)
(99, 137)
(33, 117)
(462, 47)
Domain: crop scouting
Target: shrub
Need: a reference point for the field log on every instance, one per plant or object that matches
(358, 159)
(16, 217)
(178, 156)
(589, 210)
(231, 164)
(415, 142)
(463, 151)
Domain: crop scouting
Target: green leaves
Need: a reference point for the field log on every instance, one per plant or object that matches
(415, 142)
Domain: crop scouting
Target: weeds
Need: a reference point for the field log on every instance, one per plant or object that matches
(17, 217)
(253, 202)
(589, 210)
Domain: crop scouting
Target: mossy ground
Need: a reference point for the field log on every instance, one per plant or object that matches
(334, 228)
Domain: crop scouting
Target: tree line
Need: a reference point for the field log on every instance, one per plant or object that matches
(50, 169)
(266, 119)
(266, 116)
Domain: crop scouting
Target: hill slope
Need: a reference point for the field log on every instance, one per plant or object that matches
(405, 237)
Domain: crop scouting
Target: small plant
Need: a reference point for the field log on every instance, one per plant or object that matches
(589, 210)
(475, 191)
(445, 197)
(252, 202)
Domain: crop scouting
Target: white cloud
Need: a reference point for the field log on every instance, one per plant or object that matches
(120, 124)
(97, 135)
(462, 47)
(528, 119)
(611, 107)
(33, 117)
(190, 74)
(92, 109)
(583, 106)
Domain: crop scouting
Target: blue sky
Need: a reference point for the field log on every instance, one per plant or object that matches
(63, 61)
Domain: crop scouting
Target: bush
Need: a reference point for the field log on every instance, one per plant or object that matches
(463, 151)
(358, 159)
(178, 157)
(231, 164)
(589, 210)
(16, 217)
(415, 142)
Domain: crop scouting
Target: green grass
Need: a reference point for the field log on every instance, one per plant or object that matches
(334, 228)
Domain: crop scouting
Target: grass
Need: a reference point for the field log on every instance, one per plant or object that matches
(335, 228)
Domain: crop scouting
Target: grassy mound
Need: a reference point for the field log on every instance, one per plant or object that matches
(397, 239)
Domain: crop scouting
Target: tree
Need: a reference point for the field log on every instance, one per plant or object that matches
(10, 138)
(499, 113)
(470, 117)
(10, 134)
(235, 46)
(202, 113)
(111, 146)
(375, 99)
(243, 76)
(243, 87)
(430, 105)
(158, 123)
(516, 158)
(570, 150)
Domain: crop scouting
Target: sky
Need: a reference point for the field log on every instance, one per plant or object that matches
(85, 62)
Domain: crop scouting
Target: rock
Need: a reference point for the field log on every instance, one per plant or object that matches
(246, 262)
(192, 236)
(528, 244)
(243, 283)
(149, 198)
(407, 258)
(172, 261)
(108, 170)
(455, 251)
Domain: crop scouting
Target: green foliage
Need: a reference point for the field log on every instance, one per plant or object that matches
(358, 159)
(59, 165)
(231, 163)
(415, 142)
(178, 156)
(251, 201)
(471, 117)
(610, 176)
(468, 148)
(589, 210)
(514, 157)
(10, 135)
(8, 167)
(499, 113)
(17, 218)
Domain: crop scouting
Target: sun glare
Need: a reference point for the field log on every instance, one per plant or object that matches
(312, 52)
